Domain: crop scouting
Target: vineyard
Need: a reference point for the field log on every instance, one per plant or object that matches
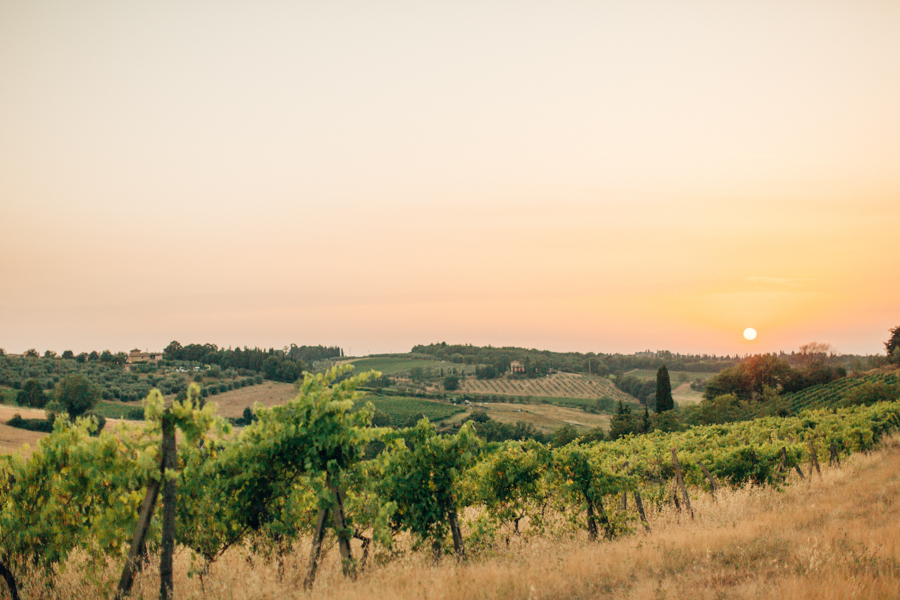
(302, 474)
(833, 394)
(559, 385)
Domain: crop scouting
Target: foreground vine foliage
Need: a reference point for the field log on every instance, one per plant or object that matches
(313, 464)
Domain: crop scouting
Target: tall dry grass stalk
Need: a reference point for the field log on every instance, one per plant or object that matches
(834, 537)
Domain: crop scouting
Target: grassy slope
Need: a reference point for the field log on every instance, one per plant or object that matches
(389, 365)
(674, 376)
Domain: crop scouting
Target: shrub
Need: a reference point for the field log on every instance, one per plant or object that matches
(32, 394)
(42, 425)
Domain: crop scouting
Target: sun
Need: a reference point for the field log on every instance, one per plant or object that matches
(749, 334)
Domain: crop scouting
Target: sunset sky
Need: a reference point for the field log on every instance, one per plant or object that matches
(591, 176)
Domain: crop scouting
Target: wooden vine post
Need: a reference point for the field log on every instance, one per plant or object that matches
(318, 538)
(640, 506)
(138, 541)
(713, 484)
(338, 523)
(679, 479)
(638, 502)
(813, 460)
(784, 460)
(834, 458)
(132, 564)
(339, 526)
(169, 494)
(591, 521)
(458, 545)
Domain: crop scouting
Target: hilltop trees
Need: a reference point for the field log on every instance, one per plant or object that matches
(277, 365)
(813, 355)
(892, 346)
(747, 380)
(664, 400)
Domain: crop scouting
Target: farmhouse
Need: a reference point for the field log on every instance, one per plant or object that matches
(136, 356)
(516, 367)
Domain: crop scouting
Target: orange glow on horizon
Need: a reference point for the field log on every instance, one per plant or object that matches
(571, 177)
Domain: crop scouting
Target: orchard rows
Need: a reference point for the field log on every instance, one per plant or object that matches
(559, 385)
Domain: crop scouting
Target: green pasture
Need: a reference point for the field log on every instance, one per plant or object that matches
(675, 377)
(119, 411)
(401, 408)
(390, 365)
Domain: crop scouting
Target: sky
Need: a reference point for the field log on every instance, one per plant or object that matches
(573, 176)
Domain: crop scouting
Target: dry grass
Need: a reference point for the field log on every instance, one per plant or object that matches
(269, 393)
(834, 537)
(683, 394)
(12, 438)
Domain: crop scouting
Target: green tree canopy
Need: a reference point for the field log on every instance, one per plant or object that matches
(623, 422)
(747, 380)
(77, 395)
(32, 395)
(451, 382)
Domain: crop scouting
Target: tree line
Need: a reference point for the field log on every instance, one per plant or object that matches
(277, 365)
(540, 362)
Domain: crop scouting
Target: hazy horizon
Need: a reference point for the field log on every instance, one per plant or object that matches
(610, 177)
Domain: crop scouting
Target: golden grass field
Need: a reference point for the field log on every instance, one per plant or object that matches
(269, 393)
(12, 438)
(683, 394)
(831, 538)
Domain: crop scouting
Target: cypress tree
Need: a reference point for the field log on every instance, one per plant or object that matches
(664, 399)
